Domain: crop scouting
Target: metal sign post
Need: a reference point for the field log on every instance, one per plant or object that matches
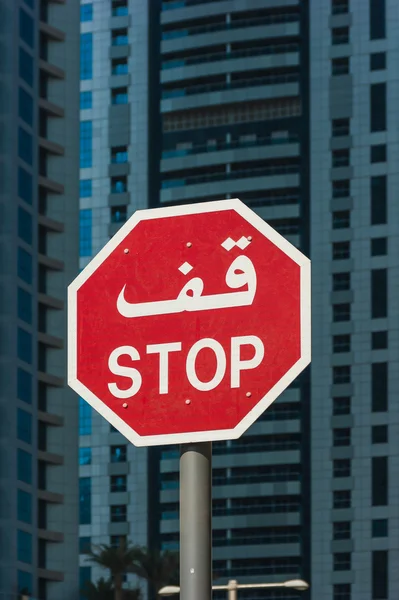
(196, 521)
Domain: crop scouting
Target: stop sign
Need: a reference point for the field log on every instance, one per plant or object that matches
(189, 323)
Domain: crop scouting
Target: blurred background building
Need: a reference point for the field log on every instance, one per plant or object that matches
(290, 106)
(38, 257)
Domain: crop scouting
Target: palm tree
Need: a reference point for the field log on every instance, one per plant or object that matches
(158, 568)
(102, 590)
(118, 560)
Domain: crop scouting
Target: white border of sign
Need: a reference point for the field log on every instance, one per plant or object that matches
(264, 403)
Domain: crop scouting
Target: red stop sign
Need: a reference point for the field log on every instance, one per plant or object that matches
(189, 323)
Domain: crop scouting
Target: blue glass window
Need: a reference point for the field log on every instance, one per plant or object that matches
(24, 345)
(120, 11)
(24, 306)
(24, 265)
(84, 544)
(86, 55)
(25, 225)
(86, 100)
(119, 97)
(85, 188)
(24, 466)
(85, 500)
(24, 426)
(85, 456)
(86, 144)
(24, 546)
(86, 12)
(24, 582)
(84, 578)
(85, 413)
(24, 386)
(25, 185)
(26, 66)
(25, 146)
(24, 506)
(85, 237)
(25, 106)
(26, 31)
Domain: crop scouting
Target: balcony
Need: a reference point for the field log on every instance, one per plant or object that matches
(51, 224)
(51, 536)
(50, 497)
(51, 70)
(50, 457)
(51, 301)
(51, 263)
(50, 108)
(51, 186)
(53, 33)
(50, 419)
(51, 147)
(52, 380)
(50, 340)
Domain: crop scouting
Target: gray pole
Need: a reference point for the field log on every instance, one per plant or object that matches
(196, 521)
(232, 590)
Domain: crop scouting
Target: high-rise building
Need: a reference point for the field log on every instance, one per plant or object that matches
(38, 257)
(288, 105)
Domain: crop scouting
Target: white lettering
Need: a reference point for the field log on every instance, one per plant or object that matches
(123, 371)
(163, 351)
(238, 365)
(220, 364)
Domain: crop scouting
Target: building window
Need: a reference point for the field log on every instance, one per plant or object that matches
(341, 436)
(84, 500)
(379, 387)
(379, 481)
(342, 591)
(378, 153)
(341, 250)
(118, 454)
(119, 96)
(24, 345)
(85, 232)
(24, 306)
(26, 67)
(25, 146)
(341, 219)
(342, 561)
(341, 312)
(85, 456)
(378, 107)
(341, 281)
(24, 466)
(339, 35)
(339, 7)
(340, 66)
(85, 188)
(379, 434)
(119, 155)
(119, 8)
(341, 405)
(378, 196)
(379, 571)
(26, 29)
(342, 530)
(377, 20)
(379, 246)
(84, 544)
(118, 185)
(85, 414)
(118, 214)
(118, 514)
(25, 106)
(379, 528)
(86, 55)
(119, 66)
(24, 265)
(24, 225)
(118, 483)
(340, 127)
(342, 343)
(118, 541)
(86, 100)
(84, 577)
(24, 546)
(86, 12)
(379, 293)
(342, 467)
(341, 188)
(340, 158)
(342, 499)
(24, 426)
(379, 340)
(25, 186)
(119, 37)
(24, 506)
(378, 61)
(24, 386)
(86, 144)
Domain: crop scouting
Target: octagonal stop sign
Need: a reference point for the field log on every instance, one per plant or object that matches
(189, 323)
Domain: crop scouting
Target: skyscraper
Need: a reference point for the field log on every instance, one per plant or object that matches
(38, 257)
(289, 106)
